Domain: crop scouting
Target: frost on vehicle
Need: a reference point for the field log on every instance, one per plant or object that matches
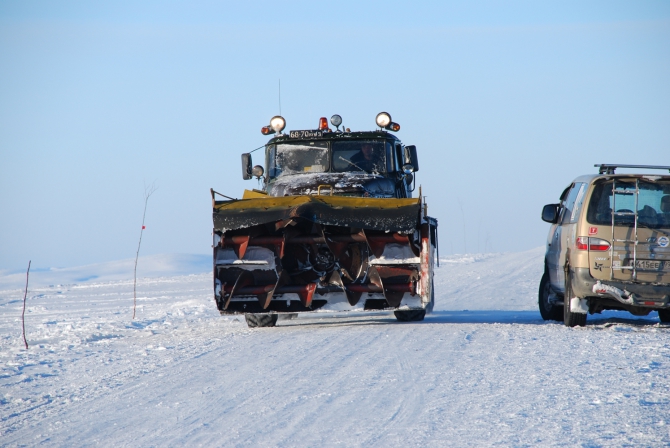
(334, 227)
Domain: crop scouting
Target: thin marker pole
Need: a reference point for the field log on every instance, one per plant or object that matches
(23, 315)
(147, 193)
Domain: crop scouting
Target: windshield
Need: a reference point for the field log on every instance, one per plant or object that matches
(293, 158)
(359, 155)
(653, 203)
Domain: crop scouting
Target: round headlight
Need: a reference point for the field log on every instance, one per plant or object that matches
(257, 171)
(383, 119)
(277, 123)
(336, 120)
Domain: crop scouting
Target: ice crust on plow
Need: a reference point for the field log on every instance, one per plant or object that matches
(254, 258)
(396, 254)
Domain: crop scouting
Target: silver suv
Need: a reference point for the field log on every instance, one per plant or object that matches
(608, 246)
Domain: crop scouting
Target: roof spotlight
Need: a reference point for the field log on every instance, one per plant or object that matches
(277, 123)
(336, 121)
(257, 171)
(383, 119)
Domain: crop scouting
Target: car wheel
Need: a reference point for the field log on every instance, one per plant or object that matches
(261, 320)
(571, 319)
(548, 310)
(410, 315)
(664, 316)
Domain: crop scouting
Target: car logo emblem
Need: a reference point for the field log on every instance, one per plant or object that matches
(663, 241)
(599, 266)
(593, 230)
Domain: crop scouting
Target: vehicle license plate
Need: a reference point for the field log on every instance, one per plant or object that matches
(651, 265)
(305, 134)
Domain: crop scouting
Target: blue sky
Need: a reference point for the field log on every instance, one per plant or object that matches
(507, 102)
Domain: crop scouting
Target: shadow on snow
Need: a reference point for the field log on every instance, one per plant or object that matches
(604, 320)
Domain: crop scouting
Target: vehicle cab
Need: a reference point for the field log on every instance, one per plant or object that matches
(335, 162)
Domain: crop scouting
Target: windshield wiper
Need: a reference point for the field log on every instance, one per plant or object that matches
(352, 163)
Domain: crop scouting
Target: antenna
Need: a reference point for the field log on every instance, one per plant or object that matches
(279, 96)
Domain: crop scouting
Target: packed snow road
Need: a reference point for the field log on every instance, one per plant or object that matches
(484, 369)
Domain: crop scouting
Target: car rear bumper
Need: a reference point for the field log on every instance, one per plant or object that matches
(636, 294)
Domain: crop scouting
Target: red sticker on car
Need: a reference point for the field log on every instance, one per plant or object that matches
(593, 230)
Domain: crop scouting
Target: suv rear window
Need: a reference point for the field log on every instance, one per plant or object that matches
(653, 203)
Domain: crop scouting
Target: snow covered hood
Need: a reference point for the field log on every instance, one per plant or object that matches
(374, 185)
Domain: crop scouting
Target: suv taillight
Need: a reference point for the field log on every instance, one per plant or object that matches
(594, 244)
(598, 245)
(582, 242)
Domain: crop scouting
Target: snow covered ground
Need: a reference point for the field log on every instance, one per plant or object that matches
(484, 369)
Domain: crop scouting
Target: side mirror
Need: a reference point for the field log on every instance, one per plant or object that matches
(410, 157)
(550, 213)
(246, 166)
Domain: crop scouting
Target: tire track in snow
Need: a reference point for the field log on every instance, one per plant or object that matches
(410, 396)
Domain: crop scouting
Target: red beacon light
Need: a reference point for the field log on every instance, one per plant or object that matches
(265, 130)
(323, 124)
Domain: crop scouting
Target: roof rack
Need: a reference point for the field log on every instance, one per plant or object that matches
(609, 168)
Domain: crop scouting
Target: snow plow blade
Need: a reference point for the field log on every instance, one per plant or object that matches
(303, 253)
(394, 215)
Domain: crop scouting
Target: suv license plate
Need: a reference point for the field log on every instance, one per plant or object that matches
(651, 265)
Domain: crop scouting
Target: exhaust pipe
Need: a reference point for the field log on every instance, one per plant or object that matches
(622, 296)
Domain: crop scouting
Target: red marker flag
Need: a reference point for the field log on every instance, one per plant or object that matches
(144, 227)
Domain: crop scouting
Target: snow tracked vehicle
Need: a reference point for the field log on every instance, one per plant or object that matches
(334, 228)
